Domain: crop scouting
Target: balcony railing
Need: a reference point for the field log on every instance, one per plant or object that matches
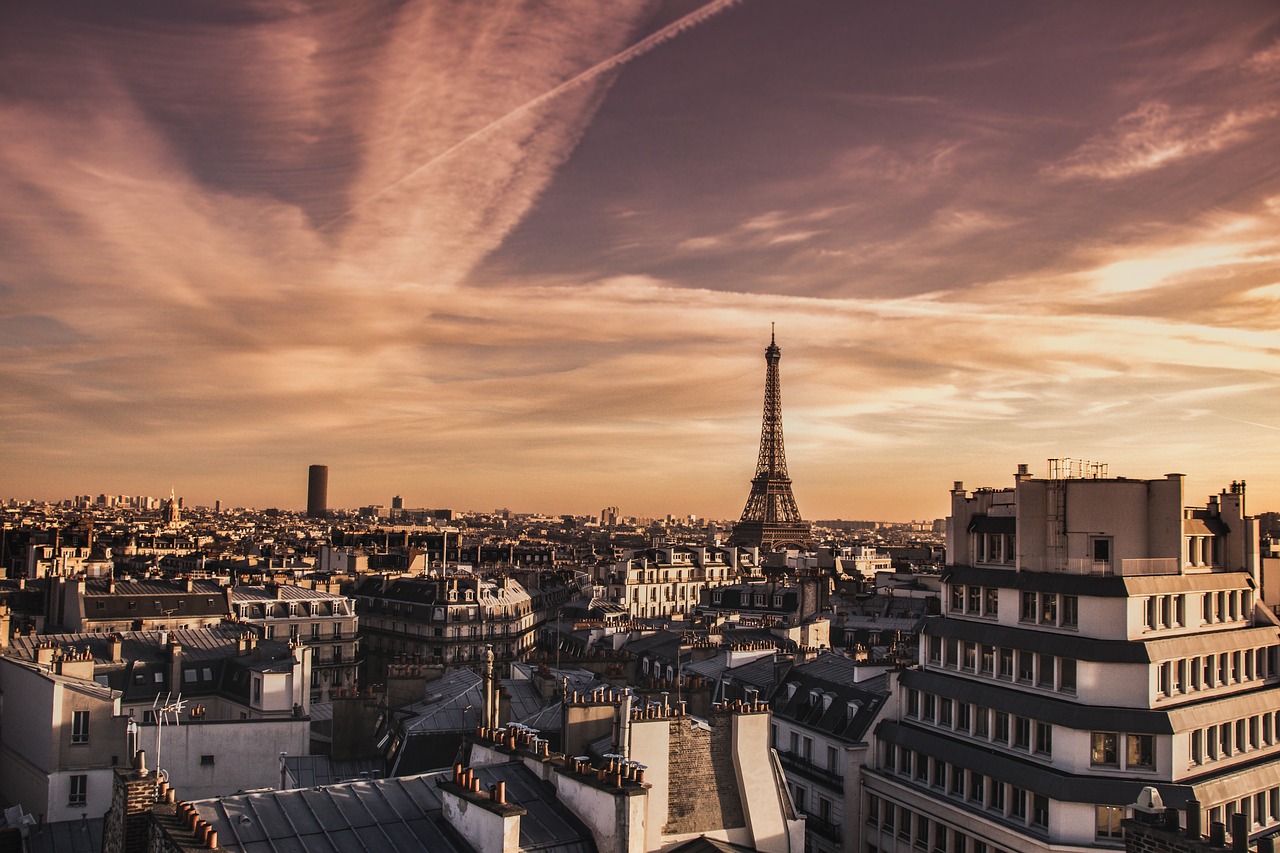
(825, 828)
(1111, 568)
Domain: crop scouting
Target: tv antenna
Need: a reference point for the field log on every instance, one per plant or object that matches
(160, 711)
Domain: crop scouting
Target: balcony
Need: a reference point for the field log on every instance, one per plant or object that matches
(825, 828)
(795, 764)
(1102, 568)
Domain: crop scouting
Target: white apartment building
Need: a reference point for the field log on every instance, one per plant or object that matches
(1097, 636)
(658, 582)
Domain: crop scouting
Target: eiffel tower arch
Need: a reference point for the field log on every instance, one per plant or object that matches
(770, 520)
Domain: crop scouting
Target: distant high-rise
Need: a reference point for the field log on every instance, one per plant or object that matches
(770, 519)
(317, 491)
(397, 502)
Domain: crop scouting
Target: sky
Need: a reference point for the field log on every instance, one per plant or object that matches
(528, 254)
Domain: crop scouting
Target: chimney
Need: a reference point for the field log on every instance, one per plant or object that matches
(115, 647)
(174, 653)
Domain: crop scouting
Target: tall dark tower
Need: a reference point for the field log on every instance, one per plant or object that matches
(317, 491)
(770, 518)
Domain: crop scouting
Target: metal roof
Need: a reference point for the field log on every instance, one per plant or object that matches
(67, 836)
(403, 814)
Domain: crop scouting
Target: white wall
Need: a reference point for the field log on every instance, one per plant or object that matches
(246, 754)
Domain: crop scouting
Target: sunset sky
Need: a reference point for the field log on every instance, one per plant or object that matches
(241, 237)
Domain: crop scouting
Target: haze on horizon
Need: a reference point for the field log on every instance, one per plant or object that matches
(242, 237)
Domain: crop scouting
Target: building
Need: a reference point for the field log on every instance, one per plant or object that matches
(823, 714)
(637, 780)
(106, 605)
(322, 620)
(1098, 637)
(448, 619)
(317, 491)
(215, 706)
(659, 582)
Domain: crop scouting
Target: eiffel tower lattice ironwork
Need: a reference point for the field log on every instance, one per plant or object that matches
(770, 519)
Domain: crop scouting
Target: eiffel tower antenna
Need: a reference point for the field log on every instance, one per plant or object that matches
(770, 519)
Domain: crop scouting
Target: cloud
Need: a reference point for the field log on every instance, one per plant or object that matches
(1156, 135)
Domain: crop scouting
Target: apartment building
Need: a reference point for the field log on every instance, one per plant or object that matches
(212, 706)
(1098, 636)
(449, 618)
(657, 582)
(823, 713)
(324, 621)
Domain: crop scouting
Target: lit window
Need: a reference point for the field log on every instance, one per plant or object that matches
(1107, 822)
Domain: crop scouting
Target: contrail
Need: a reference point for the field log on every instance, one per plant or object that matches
(640, 48)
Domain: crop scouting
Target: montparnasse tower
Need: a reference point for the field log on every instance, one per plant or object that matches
(770, 519)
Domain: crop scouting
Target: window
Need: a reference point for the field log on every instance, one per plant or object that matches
(1103, 751)
(963, 716)
(976, 784)
(935, 649)
(913, 703)
(957, 598)
(1002, 727)
(1044, 738)
(1040, 811)
(997, 796)
(873, 810)
(833, 761)
(922, 831)
(969, 652)
(930, 701)
(1028, 607)
(975, 599)
(981, 724)
(988, 660)
(1070, 611)
(206, 761)
(78, 794)
(1048, 608)
(1022, 733)
(992, 601)
(1018, 802)
(1067, 675)
(1045, 677)
(1107, 822)
(1197, 747)
(257, 688)
(1101, 553)
(1026, 666)
(80, 727)
(1006, 663)
(1141, 750)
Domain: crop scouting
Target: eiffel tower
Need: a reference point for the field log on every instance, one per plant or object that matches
(770, 519)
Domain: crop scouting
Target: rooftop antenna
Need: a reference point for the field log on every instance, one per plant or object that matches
(161, 711)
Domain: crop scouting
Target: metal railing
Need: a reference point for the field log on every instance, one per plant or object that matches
(1103, 568)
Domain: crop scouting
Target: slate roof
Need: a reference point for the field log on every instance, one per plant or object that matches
(153, 598)
(211, 662)
(402, 814)
(831, 675)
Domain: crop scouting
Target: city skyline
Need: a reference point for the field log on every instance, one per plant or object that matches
(242, 239)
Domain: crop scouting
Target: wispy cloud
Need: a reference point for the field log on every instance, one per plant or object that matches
(1156, 135)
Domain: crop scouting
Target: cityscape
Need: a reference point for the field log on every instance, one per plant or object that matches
(399, 450)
